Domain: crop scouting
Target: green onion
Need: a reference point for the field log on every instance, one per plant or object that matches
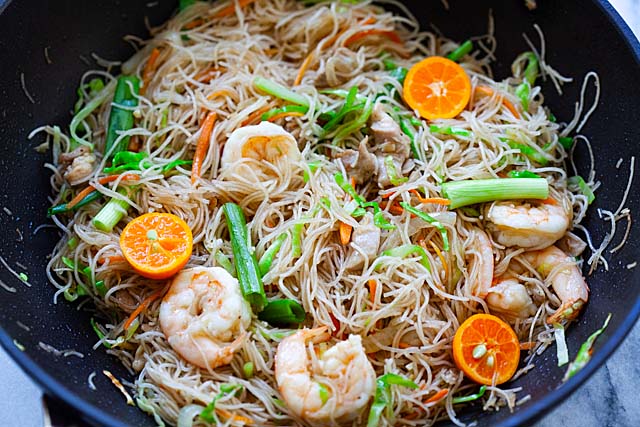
(584, 354)
(378, 215)
(185, 4)
(101, 288)
(392, 173)
(431, 220)
(470, 397)
(522, 92)
(174, 164)
(296, 240)
(126, 161)
(522, 174)
(566, 142)
(406, 250)
(470, 192)
(531, 72)
(110, 214)
(282, 312)
(552, 118)
(383, 398)
(528, 151)
(469, 211)
(244, 260)
(286, 109)
(72, 243)
(360, 121)
(462, 50)
(121, 119)
(341, 93)
(578, 181)
(247, 369)
(348, 107)
(83, 114)
(224, 262)
(208, 413)
(267, 257)
(407, 128)
(561, 345)
(95, 86)
(313, 166)
(279, 91)
(62, 208)
(399, 73)
(99, 332)
(23, 277)
(324, 393)
(449, 130)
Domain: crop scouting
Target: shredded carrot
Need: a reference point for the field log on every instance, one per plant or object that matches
(303, 68)
(391, 35)
(203, 146)
(104, 180)
(441, 394)
(253, 117)
(195, 23)
(281, 115)
(442, 259)
(550, 201)
(345, 233)
(434, 200)
(527, 345)
(206, 75)
(487, 91)
(394, 208)
(373, 285)
(231, 9)
(234, 417)
(111, 259)
(223, 92)
(143, 305)
(149, 69)
(404, 345)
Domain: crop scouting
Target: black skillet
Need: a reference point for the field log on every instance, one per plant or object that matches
(581, 36)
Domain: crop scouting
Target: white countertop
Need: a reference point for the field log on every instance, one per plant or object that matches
(609, 398)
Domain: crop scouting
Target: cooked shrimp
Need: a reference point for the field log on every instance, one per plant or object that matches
(266, 141)
(483, 254)
(511, 299)
(533, 226)
(335, 388)
(565, 277)
(204, 316)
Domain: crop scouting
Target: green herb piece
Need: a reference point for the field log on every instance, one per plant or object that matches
(407, 250)
(394, 177)
(528, 151)
(431, 220)
(471, 397)
(267, 257)
(282, 312)
(286, 109)
(462, 50)
(121, 116)
(62, 208)
(566, 142)
(185, 4)
(279, 91)
(111, 214)
(383, 398)
(208, 413)
(470, 192)
(448, 130)
(522, 174)
(578, 182)
(523, 90)
(247, 370)
(584, 354)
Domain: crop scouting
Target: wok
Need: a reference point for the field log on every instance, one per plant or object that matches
(581, 36)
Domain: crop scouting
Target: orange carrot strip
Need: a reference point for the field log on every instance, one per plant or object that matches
(104, 180)
(404, 345)
(303, 68)
(111, 259)
(289, 114)
(223, 92)
(391, 35)
(231, 9)
(441, 394)
(149, 69)
(345, 233)
(195, 23)
(487, 91)
(228, 415)
(256, 115)
(207, 74)
(442, 259)
(550, 201)
(434, 200)
(203, 146)
(373, 285)
(143, 305)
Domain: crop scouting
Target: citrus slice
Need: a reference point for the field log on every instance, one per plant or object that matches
(157, 245)
(437, 87)
(485, 346)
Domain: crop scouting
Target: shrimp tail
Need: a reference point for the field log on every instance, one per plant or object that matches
(567, 311)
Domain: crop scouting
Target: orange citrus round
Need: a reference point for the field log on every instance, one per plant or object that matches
(437, 88)
(484, 346)
(157, 245)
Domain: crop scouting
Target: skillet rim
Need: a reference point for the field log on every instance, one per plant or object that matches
(525, 416)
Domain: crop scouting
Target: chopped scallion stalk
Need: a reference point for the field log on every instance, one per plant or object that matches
(470, 192)
(121, 119)
(383, 398)
(522, 174)
(279, 91)
(522, 92)
(286, 109)
(267, 257)
(561, 345)
(566, 142)
(584, 354)
(110, 214)
(431, 220)
(471, 397)
(313, 166)
(208, 414)
(394, 178)
(247, 370)
(185, 4)
(407, 128)
(224, 262)
(62, 208)
(462, 50)
(449, 130)
(406, 250)
(282, 312)
(578, 181)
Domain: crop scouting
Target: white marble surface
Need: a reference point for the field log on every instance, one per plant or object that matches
(608, 399)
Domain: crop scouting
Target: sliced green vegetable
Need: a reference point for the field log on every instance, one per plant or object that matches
(528, 151)
(101, 288)
(243, 258)
(267, 257)
(378, 215)
(121, 116)
(175, 164)
(208, 414)
(296, 240)
(383, 398)
(111, 214)
(62, 208)
(224, 262)
(286, 109)
(279, 91)
(532, 70)
(578, 181)
(449, 130)
(407, 250)
(247, 370)
(99, 332)
(471, 397)
(522, 174)
(126, 161)
(95, 86)
(584, 354)
(470, 192)
(72, 243)
(407, 128)
(83, 114)
(462, 50)
(561, 345)
(355, 125)
(522, 92)
(185, 4)
(282, 312)
(431, 220)
(394, 177)
(313, 166)
(23, 277)
(566, 142)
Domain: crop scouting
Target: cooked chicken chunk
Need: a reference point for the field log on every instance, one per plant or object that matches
(366, 237)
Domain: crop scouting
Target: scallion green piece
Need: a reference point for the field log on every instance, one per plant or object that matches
(522, 92)
(383, 398)
(406, 250)
(110, 214)
(185, 4)
(522, 174)
(471, 397)
(267, 257)
(313, 166)
(578, 181)
(174, 164)
(431, 220)
(99, 332)
(394, 177)
(224, 262)
(243, 259)
(208, 414)
(378, 215)
(566, 142)
(528, 151)
(532, 70)
(282, 312)
(449, 130)
(470, 192)
(248, 369)
(462, 50)
(296, 240)
(286, 109)
(62, 208)
(83, 114)
(121, 119)
(584, 354)
(407, 128)
(355, 125)
(126, 161)
(279, 91)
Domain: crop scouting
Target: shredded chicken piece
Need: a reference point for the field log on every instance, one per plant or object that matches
(366, 237)
(571, 244)
(361, 165)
